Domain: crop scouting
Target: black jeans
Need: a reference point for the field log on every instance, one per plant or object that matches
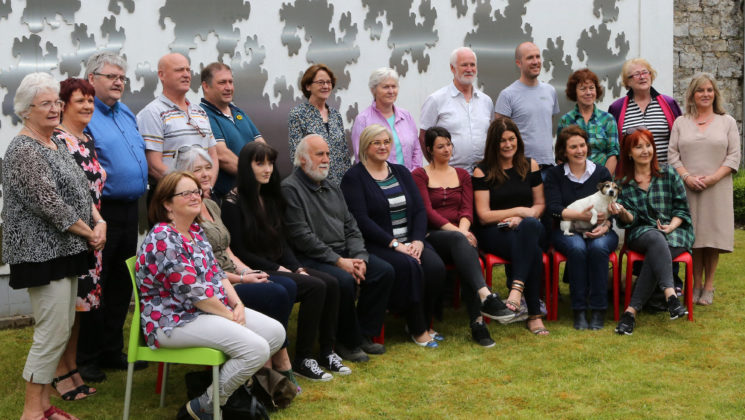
(453, 248)
(101, 330)
(657, 268)
(367, 319)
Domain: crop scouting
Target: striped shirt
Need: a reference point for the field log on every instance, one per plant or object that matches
(397, 205)
(654, 119)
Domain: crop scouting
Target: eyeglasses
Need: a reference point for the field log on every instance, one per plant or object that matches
(323, 82)
(378, 143)
(633, 130)
(113, 77)
(639, 74)
(194, 125)
(47, 105)
(189, 193)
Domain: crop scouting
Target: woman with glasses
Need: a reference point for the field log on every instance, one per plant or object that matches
(705, 150)
(186, 299)
(654, 211)
(583, 87)
(316, 116)
(405, 149)
(50, 225)
(644, 106)
(389, 211)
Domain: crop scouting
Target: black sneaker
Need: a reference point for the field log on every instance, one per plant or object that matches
(332, 362)
(494, 308)
(353, 355)
(309, 369)
(626, 324)
(675, 308)
(371, 347)
(480, 334)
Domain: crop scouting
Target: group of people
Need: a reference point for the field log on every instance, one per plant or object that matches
(232, 246)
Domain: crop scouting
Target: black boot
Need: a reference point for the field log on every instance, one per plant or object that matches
(580, 320)
(597, 319)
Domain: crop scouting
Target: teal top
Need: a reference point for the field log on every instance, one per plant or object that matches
(396, 142)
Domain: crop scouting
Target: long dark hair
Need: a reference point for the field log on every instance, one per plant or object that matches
(262, 223)
(493, 169)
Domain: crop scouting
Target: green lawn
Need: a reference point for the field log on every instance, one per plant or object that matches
(667, 369)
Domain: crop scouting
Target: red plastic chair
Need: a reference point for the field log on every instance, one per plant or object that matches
(686, 258)
(558, 258)
(456, 288)
(491, 260)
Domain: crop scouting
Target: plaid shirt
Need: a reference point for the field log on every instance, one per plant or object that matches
(665, 199)
(601, 129)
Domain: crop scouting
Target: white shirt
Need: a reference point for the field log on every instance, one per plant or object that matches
(589, 170)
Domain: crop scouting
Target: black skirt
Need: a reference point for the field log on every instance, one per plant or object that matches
(34, 274)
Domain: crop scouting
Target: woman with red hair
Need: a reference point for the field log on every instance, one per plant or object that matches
(654, 211)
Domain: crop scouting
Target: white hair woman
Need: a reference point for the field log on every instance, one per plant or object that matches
(50, 223)
(405, 149)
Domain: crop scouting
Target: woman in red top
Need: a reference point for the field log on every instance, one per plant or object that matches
(448, 200)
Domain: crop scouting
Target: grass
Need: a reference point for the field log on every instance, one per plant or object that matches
(667, 369)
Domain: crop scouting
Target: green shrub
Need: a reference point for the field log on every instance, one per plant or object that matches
(738, 192)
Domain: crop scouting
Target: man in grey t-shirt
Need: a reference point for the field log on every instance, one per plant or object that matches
(531, 105)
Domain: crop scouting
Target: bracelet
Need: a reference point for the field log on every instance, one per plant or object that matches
(301, 270)
(100, 221)
(685, 175)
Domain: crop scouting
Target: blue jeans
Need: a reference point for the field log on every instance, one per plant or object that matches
(587, 267)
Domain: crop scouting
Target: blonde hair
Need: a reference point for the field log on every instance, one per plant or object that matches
(698, 80)
(368, 135)
(626, 70)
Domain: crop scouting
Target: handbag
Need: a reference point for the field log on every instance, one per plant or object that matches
(272, 388)
(241, 405)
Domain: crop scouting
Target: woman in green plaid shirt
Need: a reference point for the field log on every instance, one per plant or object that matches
(654, 210)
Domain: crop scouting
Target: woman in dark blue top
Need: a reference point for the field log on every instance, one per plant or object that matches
(508, 190)
(587, 255)
(390, 213)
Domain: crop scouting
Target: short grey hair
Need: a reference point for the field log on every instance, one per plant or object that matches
(184, 161)
(31, 85)
(379, 76)
(96, 62)
(302, 150)
(454, 55)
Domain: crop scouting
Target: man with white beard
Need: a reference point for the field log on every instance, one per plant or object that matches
(461, 109)
(325, 236)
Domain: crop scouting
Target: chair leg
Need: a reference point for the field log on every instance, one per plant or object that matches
(159, 379)
(689, 290)
(163, 385)
(128, 391)
(216, 392)
(616, 286)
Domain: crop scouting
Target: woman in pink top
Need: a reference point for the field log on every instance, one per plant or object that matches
(448, 200)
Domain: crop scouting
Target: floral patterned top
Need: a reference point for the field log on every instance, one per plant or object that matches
(173, 273)
(305, 119)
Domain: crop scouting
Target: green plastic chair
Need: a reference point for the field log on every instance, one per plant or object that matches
(138, 350)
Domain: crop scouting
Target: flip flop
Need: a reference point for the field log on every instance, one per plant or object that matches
(54, 410)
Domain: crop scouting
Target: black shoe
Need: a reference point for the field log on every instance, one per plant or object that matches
(494, 308)
(332, 362)
(91, 373)
(309, 369)
(353, 355)
(675, 308)
(580, 320)
(626, 324)
(597, 320)
(481, 335)
(371, 347)
(120, 363)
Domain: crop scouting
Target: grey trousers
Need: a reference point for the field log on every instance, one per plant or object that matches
(657, 269)
(248, 347)
(53, 307)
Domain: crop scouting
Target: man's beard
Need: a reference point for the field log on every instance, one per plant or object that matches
(316, 174)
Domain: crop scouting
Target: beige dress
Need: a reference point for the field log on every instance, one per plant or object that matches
(702, 153)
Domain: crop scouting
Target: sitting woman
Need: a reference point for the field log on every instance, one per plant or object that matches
(185, 298)
(587, 253)
(386, 203)
(272, 296)
(508, 193)
(654, 210)
(253, 215)
(448, 199)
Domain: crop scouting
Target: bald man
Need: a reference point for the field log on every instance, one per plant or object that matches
(531, 104)
(170, 122)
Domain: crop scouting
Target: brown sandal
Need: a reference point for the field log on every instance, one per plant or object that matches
(518, 286)
(536, 331)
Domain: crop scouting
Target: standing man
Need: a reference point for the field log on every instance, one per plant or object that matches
(531, 105)
(121, 152)
(231, 127)
(170, 122)
(461, 109)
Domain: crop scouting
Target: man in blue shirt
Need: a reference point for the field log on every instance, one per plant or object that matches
(231, 127)
(121, 152)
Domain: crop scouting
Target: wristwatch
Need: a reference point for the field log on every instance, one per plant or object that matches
(395, 244)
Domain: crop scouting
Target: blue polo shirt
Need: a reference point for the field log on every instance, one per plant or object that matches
(121, 151)
(235, 132)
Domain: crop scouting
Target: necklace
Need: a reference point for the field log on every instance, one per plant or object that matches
(79, 137)
(705, 121)
(46, 143)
